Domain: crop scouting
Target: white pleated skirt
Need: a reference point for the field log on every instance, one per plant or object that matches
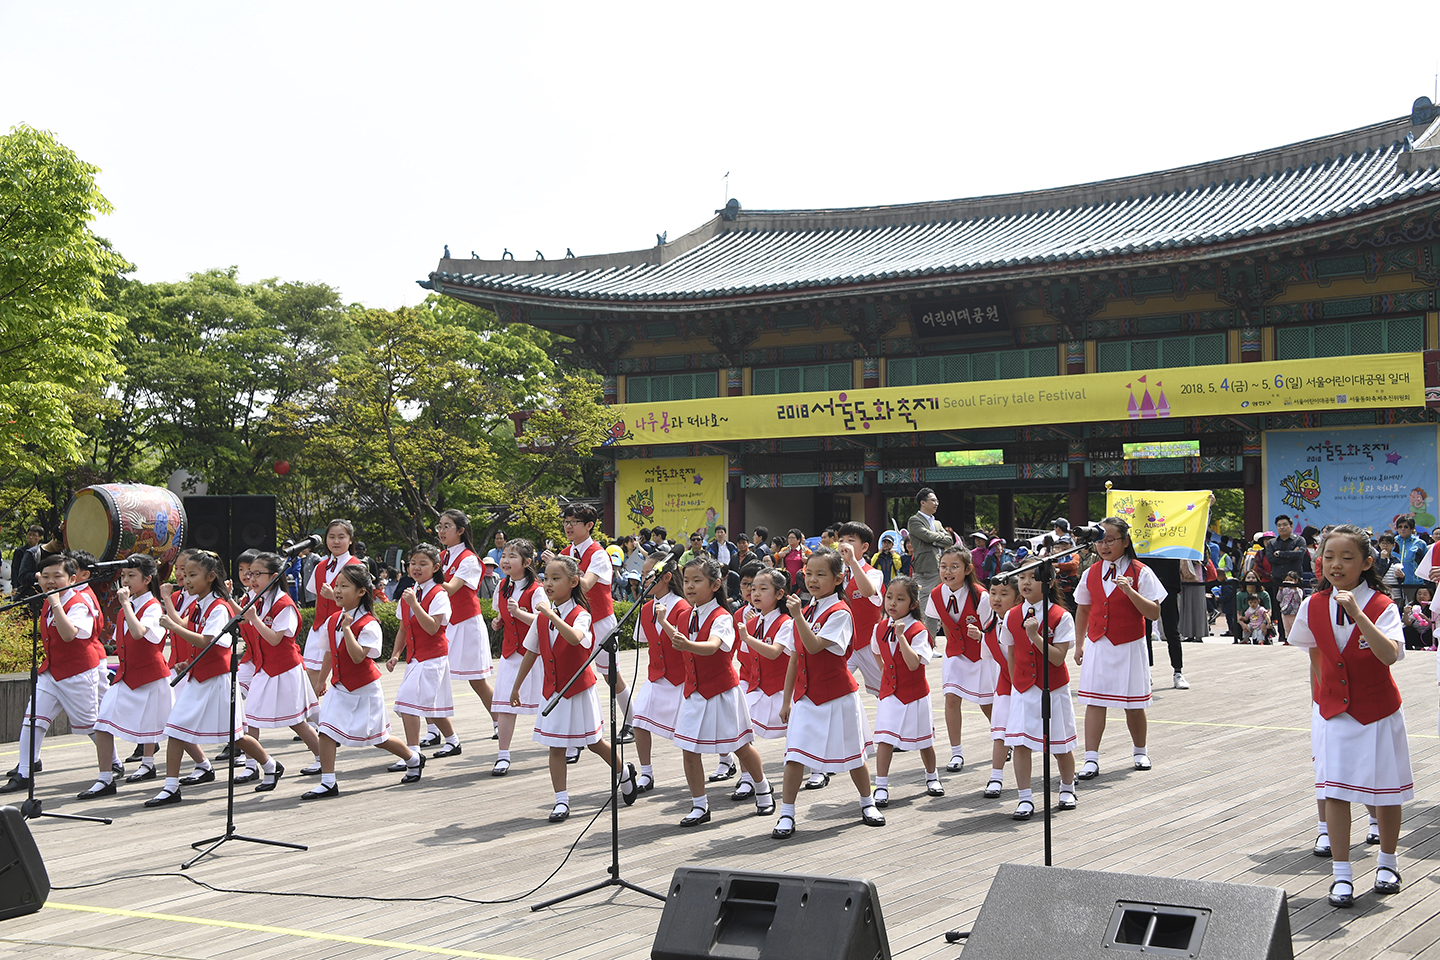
(201, 713)
(1025, 727)
(506, 670)
(972, 680)
(1361, 762)
(999, 715)
(316, 646)
(868, 664)
(600, 629)
(657, 707)
(719, 724)
(908, 726)
(281, 701)
(469, 650)
(244, 673)
(1115, 675)
(575, 721)
(355, 718)
(765, 714)
(829, 737)
(425, 689)
(137, 715)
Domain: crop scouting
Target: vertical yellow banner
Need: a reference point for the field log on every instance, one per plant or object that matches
(1163, 523)
(682, 495)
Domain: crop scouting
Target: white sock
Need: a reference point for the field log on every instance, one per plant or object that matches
(1374, 822)
(147, 762)
(726, 758)
(1026, 794)
(867, 802)
(746, 778)
(957, 751)
(701, 802)
(172, 784)
(431, 730)
(107, 777)
(414, 749)
(27, 751)
(250, 763)
(932, 776)
(327, 779)
(316, 758)
(1139, 751)
(1092, 755)
(648, 770)
(787, 810)
(563, 797)
(414, 760)
(503, 755)
(269, 767)
(997, 773)
(882, 782)
(1387, 860)
(203, 765)
(762, 787)
(1341, 870)
(453, 740)
(1067, 786)
(622, 700)
(1324, 829)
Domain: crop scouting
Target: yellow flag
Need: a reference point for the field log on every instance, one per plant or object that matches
(1163, 523)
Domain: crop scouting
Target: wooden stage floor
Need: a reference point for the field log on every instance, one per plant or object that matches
(1230, 799)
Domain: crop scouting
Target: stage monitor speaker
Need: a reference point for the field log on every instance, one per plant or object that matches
(1035, 911)
(769, 916)
(252, 524)
(26, 884)
(209, 527)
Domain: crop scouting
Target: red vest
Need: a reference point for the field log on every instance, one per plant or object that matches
(713, 674)
(465, 602)
(1028, 665)
(141, 661)
(1352, 680)
(217, 660)
(747, 661)
(563, 658)
(420, 645)
(1113, 617)
(512, 629)
(99, 608)
(824, 676)
(253, 653)
(957, 636)
(896, 677)
(67, 659)
(277, 658)
(326, 608)
(772, 672)
(665, 662)
(345, 672)
(992, 640)
(864, 612)
(182, 601)
(602, 604)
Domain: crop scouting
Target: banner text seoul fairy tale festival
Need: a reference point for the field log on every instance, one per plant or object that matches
(1277, 386)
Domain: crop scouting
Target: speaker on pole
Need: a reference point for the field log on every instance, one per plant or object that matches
(1034, 911)
(209, 527)
(252, 524)
(26, 884)
(769, 916)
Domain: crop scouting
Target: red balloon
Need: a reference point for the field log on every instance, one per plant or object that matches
(282, 467)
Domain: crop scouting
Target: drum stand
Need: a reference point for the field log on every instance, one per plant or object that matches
(211, 844)
(30, 808)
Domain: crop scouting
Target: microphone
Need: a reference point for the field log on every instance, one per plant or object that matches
(309, 542)
(104, 564)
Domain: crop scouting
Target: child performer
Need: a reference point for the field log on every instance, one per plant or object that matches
(138, 702)
(559, 638)
(864, 593)
(904, 717)
(469, 641)
(578, 520)
(657, 705)
(1026, 643)
(770, 636)
(1357, 726)
(354, 712)
(201, 713)
(959, 602)
(713, 716)
(249, 657)
(1113, 601)
(175, 602)
(425, 690)
(746, 667)
(1003, 596)
(826, 724)
(516, 599)
(280, 692)
(321, 585)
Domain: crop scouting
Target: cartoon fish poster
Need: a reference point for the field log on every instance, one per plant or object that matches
(681, 494)
(1368, 476)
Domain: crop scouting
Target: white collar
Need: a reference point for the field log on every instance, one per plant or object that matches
(705, 609)
(335, 563)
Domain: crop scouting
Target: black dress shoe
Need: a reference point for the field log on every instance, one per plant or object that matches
(118, 769)
(138, 755)
(572, 758)
(322, 792)
(783, 832)
(559, 815)
(98, 790)
(250, 775)
(146, 772)
(725, 771)
(16, 784)
(765, 803)
(199, 776)
(626, 735)
(434, 740)
(696, 817)
(744, 790)
(449, 750)
(263, 787)
(630, 780)
(164, 798)
(412, 774)
(39, 767)
(225, 753)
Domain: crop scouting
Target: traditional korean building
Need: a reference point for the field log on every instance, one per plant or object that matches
(1300, 258)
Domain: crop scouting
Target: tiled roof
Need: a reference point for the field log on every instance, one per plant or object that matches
(1167, 215)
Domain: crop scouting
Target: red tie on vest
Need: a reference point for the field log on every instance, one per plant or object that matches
(952, 606)
(1341, 617)
(1109, 571)
(694, 625)
(889, 633)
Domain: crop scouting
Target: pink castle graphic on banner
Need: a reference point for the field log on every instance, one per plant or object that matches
(1147, 408)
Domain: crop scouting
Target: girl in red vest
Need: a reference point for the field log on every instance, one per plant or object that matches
(353, 713)
(1357, 726)
(138, 702)
(968, 672)
(904, 718)
(201, 713)
(598, 573)
(657, 705)
(747, 667)
(1026, 644)
(1113, 600)
(560, 639)
(280, 694)
(425, 690)
(826, 730)
(1003, 596)
(175, 602)
(461, 573)
(713, 716)
(515, 597)
(248, 662)
(321, 585)
(770, 635)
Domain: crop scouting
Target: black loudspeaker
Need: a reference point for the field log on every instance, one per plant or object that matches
(1052, 912)
(252, 524)
(209, 527)
(769, 916)
(25, 884)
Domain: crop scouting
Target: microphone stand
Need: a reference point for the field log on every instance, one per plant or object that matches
(610, 643)
(212, 843)
(30, 808)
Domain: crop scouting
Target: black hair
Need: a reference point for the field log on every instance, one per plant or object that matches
(644, 534)
(583, 512)
(1124, 527)
(797, 533)
(1370, 576)
(359, 575)
(721, 526)
(461, 519)
(273, 564)
(147, 566)
(35, 528)
(714, 573)
(660, 533)
(215, 570)
(779, 579)
(247, 557)
(345, 524)
(431, 551)
(923, 494)
(857, 529)
(525, 550)
(1285, 517)
(1052, 593)
(751, 570)
(964, 554)
(831, 556)
(50, 559)
(572, 570)
(912, 590)
(833, 530)
(763, 533)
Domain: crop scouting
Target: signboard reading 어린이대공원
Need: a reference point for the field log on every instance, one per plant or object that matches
(1368, 476)
(1277, 386)
(682, 495)
(1163, 523)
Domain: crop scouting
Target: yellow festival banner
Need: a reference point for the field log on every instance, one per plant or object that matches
(682, 495)
(1277, 386)
(1163, 523)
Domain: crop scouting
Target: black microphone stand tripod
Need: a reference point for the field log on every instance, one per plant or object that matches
(612, 675)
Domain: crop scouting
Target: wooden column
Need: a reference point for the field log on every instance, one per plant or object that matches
(1254, 496)
(1079, 495)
